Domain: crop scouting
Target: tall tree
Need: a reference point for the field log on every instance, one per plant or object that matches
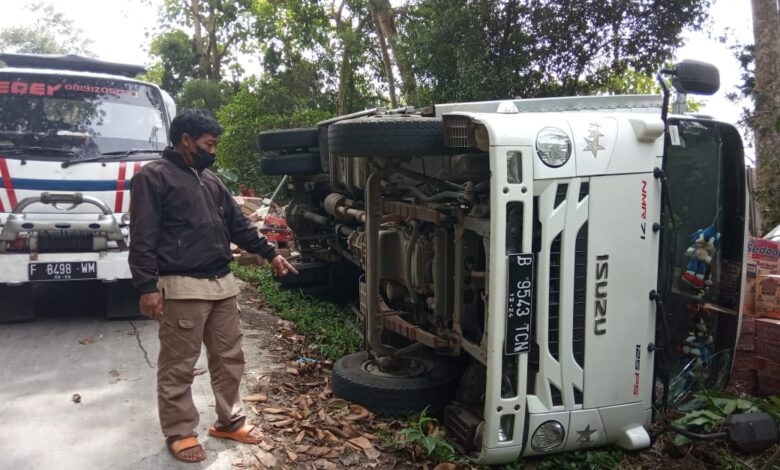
(51, 33)
(221, 29)
(178, 61)
(766, 118)
(386, 29)
(488, 49)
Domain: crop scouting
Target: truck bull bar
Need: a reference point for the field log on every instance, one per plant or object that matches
(103, 229)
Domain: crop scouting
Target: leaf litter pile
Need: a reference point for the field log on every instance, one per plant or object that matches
(305, 426)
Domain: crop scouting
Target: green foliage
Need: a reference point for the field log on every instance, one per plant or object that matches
(51, 33)
(204, 94)
(424, 431)
(259, 105)
(597, 459)
(176, 58)
(331, 327)
(717, 407)
(490, 49)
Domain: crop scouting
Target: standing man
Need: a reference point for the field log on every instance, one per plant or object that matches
(182, 221)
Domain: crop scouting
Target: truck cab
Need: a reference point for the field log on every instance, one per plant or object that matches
(73, 132)
(517, 263)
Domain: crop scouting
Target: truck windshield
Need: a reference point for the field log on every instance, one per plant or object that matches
(81, 116)
(706, 170)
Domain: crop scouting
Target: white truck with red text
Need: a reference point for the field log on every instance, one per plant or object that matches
(73, 132)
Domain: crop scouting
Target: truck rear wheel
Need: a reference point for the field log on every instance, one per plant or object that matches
(388, 136)
(288, 139)
(430, 382)
(17, 303)
(293, 164)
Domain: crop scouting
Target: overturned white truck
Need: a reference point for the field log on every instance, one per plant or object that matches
(512, 258)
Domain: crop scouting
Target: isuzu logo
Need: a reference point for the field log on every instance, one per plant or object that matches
(602, 275)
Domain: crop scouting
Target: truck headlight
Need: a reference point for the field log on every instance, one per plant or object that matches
(553, 146)
(125, 220)
(548, 436)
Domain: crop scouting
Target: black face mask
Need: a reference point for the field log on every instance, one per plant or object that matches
(203, 159)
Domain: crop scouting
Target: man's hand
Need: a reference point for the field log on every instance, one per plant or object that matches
(281, 266)
(151, 305)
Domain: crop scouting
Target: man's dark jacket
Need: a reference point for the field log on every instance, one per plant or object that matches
(182, 222)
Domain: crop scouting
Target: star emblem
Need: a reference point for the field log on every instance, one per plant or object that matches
(593, 139)
(585, 434)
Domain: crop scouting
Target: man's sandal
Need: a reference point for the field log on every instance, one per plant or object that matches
(242, 434)
(178, 446)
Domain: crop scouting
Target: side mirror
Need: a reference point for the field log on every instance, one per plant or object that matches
(694, 77)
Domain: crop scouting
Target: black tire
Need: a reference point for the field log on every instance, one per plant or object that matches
(293, 164)
(288, 139)
(396, 396)
(122, 301)
(17, 303)
(309, 273)
(388, 136)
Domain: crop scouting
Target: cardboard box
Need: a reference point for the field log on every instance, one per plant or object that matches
(767, 386)
(748, 325)
(768, 349)
(768, 367)
(766, 328)
(744, 360)
(746, 342)
(762, 258)
(767, 300)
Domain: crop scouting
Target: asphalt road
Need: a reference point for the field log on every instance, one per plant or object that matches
(115, 426)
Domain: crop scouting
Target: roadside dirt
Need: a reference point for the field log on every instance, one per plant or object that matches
(287, 395)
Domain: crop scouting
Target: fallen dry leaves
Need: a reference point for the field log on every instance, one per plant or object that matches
(304, 425)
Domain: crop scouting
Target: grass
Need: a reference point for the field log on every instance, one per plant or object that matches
(334, 330)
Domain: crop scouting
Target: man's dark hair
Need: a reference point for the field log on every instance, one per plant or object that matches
(194, 122)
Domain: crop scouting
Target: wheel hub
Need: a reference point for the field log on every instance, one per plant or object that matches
(398, 367)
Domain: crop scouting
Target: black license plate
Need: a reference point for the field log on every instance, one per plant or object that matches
(520, 304)
(64, 271)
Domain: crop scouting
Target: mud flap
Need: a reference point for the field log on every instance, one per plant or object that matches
(122, 300)
(17, 303)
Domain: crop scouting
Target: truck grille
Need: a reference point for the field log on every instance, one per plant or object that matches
(555, 297)
(64, 242)
(580, 277)
(561, 243)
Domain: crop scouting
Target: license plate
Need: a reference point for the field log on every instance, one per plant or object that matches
(520, 305)
(64, 271)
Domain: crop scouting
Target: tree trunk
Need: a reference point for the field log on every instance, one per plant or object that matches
(386, 59)
(343, 76)
(386, 23)
(198, 38)
(766, 119)
(213, 56)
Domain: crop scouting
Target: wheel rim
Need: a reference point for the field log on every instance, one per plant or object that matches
(410, 368)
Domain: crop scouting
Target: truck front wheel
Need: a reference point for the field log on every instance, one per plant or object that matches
(428, 381)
